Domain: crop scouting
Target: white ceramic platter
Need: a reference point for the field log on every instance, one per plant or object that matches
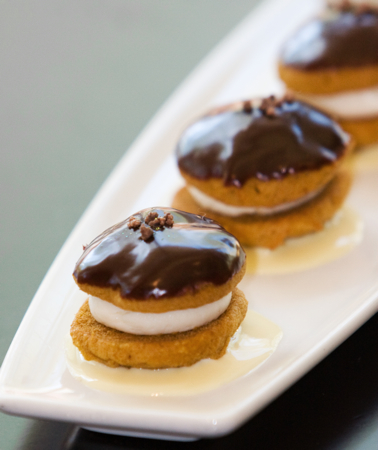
(316, 308)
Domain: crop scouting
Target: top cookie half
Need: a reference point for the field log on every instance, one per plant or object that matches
(332, 53)
(262, 153)
(143, 264)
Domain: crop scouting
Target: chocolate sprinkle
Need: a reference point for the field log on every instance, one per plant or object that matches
(169, 220)
(247, 106)
(151, 217)
(145, 232)
(134, 223)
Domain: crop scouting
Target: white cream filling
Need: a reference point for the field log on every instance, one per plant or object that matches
(207, 202)
(356, 104)
(156, 323)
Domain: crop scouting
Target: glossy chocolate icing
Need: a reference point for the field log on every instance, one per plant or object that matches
(236, 145)
(339, 41)
(175, 260)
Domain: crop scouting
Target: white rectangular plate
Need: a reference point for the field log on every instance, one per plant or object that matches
(316, 308)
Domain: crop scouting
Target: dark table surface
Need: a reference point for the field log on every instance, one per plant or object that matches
(79, 80)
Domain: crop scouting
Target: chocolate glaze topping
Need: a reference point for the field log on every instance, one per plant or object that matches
(345, 39)
(267, 142)
(176, 260)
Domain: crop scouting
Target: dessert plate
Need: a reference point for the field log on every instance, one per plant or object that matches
(317, 306)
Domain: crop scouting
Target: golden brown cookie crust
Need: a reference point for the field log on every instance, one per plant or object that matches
(328, 81)
(272, 231)
(114, 348)
(208, 293)
(273, 192)
(364, 131)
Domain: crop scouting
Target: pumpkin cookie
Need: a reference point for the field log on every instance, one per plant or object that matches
(162, 288)
(261, 164)
(332, 63)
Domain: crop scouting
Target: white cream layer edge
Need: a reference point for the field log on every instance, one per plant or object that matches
(356, 104)
(156, 323)
(207, 202)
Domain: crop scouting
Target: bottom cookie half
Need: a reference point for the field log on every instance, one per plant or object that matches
(114, 348)
(364, 131)
(272, 231)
